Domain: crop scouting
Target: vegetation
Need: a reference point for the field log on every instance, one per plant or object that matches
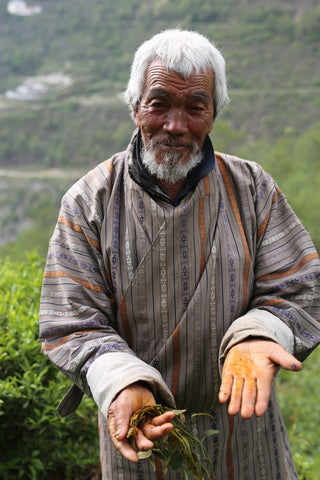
(181, 449)
(36, 442)
(299, 401)
(28, 210)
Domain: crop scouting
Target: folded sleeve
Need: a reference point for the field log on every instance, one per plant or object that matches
(111, 373)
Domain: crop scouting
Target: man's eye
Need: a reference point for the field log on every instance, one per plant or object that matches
(158, 104)
(196, 108)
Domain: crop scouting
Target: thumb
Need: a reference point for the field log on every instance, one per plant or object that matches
(117, 426)
(287, 361)
(118, 419)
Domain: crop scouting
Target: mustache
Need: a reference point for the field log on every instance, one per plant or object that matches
(173, 142)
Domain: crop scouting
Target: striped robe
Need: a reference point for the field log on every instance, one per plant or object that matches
(130, 274)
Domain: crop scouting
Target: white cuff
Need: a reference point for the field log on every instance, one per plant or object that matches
(256, 323)
(112, 372)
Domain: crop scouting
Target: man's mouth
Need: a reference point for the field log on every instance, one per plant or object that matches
(173, 146)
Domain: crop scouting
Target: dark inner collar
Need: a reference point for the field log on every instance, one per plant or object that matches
(143, 177)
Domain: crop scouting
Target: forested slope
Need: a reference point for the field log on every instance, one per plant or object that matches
(75, 118)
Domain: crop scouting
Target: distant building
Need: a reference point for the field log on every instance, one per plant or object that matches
(34, 88)
(21, 8)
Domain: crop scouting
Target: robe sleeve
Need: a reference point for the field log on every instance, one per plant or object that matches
(256, 323)
(77, 312)
(285, 304)
(109, 374)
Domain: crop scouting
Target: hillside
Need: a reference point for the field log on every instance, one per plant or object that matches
(271, 50)
(62, 71)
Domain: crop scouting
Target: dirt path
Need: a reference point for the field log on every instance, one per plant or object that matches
(40, 174)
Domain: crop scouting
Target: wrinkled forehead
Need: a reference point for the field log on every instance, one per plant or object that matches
(158, 76)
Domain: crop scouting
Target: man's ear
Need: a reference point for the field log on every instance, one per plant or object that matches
(136, 116)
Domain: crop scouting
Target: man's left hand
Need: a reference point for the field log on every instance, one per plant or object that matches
(248, 373)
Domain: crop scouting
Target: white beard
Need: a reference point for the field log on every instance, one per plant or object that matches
(169, 169)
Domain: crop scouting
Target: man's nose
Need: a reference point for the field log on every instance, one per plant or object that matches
(176, 122)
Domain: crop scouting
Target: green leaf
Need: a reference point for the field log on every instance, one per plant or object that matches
(176, 461)
(142, 455)
(210, 432)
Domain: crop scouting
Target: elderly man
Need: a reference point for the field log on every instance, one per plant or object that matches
(180, 275)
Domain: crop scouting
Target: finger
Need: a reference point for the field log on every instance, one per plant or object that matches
(236, 396)
(121, 443)
(113, 425)
(291, 363)
(153, 432)
(118, 431)
(287, 361)
(142, 442)
(124, 447)
(164, 418)
(263, 395)
(225, 388)
(249, 396)
(117, 427)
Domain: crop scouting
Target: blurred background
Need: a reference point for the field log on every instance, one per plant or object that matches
(63, 67)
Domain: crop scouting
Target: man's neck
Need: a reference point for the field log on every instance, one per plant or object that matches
(173, 189)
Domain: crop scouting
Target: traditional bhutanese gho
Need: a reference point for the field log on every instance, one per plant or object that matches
(160, 292)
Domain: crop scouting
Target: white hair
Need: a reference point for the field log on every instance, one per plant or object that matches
(181, 51)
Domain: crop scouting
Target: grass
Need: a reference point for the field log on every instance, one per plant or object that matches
(298, 394)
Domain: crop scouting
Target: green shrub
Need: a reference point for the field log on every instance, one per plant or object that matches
(35, 441)
(298, 395)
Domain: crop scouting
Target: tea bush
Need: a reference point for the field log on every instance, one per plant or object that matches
(298, 395)
(35, 441)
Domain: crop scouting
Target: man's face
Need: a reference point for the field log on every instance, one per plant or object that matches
(175, 115)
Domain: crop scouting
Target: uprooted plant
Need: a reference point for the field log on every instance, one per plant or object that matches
(180, 449)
